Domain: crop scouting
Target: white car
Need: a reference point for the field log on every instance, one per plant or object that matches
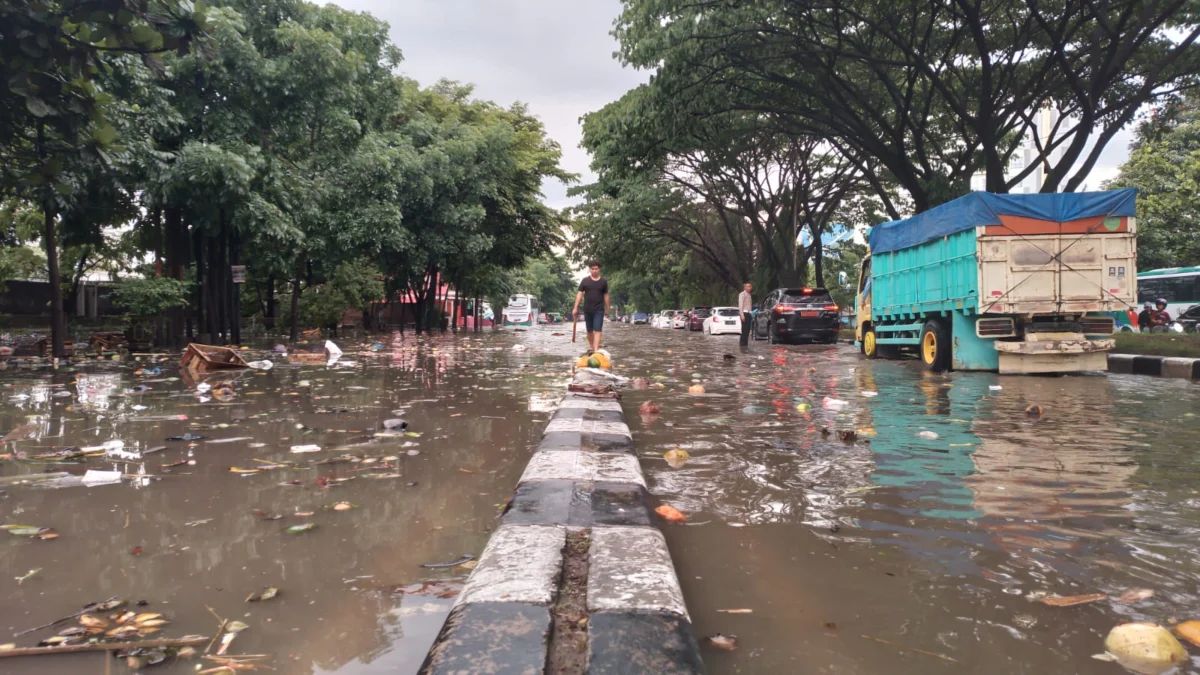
(723, 320)
(659, 320)
(680, 319)
(665, 318)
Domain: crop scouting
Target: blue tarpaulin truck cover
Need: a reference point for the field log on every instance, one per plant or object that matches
(985, 208)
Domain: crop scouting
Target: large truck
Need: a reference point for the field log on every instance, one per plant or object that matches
(1020, 283)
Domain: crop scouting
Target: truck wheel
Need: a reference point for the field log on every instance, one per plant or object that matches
(870, 348)
(935, 346)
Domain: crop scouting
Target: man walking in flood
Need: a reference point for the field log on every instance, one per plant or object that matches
(744, 306)
(593, 293)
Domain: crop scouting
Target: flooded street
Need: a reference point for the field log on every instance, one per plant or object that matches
(923, 545)
(188, 538)
(872, 517)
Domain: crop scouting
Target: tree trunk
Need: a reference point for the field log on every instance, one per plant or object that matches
(235, 257)
(818, 266)
(433, 296)
(58, 319)
(72, 299)
(213, 291)
(202, 308)
(269, 318)
(295, 318)
(174, 247)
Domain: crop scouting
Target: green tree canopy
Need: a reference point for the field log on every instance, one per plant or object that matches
(1164, 165)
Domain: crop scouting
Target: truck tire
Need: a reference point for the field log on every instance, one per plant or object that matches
(935, 346)
(870, 348)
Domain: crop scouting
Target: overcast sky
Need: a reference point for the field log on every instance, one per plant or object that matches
(554, 55)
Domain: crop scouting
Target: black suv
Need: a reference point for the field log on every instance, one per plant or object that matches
(788, 314)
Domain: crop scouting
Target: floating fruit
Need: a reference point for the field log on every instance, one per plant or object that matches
(1145, 647)
(670, 514)
(677, 457)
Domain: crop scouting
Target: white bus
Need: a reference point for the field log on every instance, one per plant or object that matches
(1179, 286)
(522, 310)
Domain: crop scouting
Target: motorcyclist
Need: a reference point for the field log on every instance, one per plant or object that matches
(1160, 319)
(1143, 318)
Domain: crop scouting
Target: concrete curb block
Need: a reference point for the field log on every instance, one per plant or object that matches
(1161, 366)
(581, 465)
(631, 571)
(519, 564)
(583, 476)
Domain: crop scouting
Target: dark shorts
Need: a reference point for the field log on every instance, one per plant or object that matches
(594, 321)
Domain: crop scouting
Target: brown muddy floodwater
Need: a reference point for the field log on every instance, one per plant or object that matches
(185, 538)
(923, 551)
(926, 550)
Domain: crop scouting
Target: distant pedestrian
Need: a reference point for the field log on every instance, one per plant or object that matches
(593, 293)
(745, 304)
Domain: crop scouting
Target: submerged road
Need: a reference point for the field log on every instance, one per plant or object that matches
(923, 543)
(844, 515)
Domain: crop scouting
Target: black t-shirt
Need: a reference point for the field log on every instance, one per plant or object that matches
(593, 293)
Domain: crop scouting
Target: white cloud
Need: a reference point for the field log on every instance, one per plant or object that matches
(554, 56)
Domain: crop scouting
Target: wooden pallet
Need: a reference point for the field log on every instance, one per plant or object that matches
(207, 358)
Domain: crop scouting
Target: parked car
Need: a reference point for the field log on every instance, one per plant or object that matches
(723, 320)
(789, 314)
(696, 317)
(641, 317)
(662, 319)
(1189, 319)
(679, 320)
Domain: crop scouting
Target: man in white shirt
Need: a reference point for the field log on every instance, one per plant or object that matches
(745, 304)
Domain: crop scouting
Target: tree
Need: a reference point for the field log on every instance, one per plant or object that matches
(471, 192)
(270, 134)
(730, 187)
(931, 90)
(18, 228)
(56, 127)
(548, 278)
(1164, 165)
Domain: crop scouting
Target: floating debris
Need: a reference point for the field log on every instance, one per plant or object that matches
(676, 458)
(464, 559)
(1144, 648)
(268, 593)
(725, 643)
(1072, 600)
(670, 514)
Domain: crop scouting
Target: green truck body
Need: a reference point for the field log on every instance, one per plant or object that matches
(1016, 283)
